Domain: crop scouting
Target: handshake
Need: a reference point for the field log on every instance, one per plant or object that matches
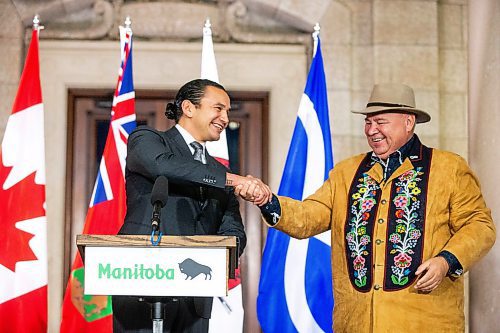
(250, 188)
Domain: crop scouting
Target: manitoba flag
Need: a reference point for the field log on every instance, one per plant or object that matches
(85, 313)
(23, 222)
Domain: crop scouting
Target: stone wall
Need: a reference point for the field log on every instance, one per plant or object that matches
(12, 55)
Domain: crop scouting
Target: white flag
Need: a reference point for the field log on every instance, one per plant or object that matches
(227, 312)
(217, 149)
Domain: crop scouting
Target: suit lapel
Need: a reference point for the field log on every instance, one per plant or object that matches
(173, 135)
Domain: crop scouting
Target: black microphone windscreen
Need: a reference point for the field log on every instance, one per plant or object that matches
(159, 194)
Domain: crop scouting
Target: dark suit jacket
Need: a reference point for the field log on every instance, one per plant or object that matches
(198, 202)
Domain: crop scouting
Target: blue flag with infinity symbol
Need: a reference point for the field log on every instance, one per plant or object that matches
(295, 289)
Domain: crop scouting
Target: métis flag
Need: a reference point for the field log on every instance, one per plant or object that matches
(295, 290)
(85, 313)
(227, 312)
(23, 222)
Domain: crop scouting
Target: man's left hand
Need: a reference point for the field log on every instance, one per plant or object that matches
(431, 273)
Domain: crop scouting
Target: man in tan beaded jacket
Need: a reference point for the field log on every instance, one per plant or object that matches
(406, 222)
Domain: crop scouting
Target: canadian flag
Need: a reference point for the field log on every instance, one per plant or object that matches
(23, 222)
(227, 312)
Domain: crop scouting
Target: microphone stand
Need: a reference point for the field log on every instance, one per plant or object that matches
(157, 315)
(158, 309)
(159, 197)
(157, 306)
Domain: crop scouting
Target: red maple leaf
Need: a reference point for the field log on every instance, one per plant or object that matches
(20, 202)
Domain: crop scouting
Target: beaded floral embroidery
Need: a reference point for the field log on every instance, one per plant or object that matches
(405, 220)
(407, 224)
(358, 237)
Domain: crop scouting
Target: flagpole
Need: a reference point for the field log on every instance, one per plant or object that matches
(315, 36)
(128, 24)
(36, 23)
(207, 28)
(208, 64)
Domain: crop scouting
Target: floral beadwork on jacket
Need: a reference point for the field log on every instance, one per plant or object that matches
(360, 229)
(407, 231)
(405, 223)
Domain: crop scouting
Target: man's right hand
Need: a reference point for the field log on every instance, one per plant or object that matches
(250, 188)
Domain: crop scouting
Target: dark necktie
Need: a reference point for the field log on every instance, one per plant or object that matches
(198, 156)
(198, 151)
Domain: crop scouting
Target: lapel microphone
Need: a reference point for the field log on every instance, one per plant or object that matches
(159, 197)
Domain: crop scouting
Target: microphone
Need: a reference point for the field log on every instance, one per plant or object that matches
(159, 197)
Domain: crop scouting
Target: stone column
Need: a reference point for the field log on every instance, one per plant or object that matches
(452, 22)
(406, 50)
(11, 58)
(484, 152)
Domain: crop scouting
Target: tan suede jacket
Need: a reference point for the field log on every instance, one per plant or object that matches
(372, 262)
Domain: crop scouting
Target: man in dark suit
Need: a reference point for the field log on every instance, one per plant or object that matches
(201, 196)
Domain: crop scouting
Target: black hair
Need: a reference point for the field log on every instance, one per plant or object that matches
(193, 91)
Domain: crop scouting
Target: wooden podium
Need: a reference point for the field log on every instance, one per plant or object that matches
(178, 266)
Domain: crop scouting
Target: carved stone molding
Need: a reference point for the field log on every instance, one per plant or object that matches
(239, 24)
(171, 20)
(301, 15)
(94, 23)
(243, 21)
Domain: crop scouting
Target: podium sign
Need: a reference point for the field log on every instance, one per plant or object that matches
(155, 271)
(180, 266)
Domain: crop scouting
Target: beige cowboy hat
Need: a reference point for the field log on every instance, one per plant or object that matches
(393, 97)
